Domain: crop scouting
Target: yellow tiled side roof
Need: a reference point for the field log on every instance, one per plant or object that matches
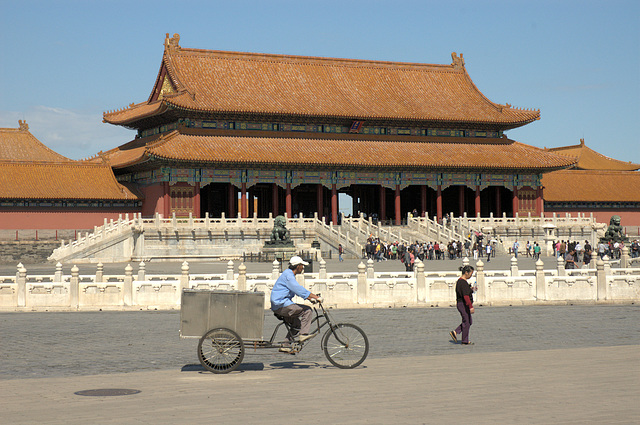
(198, 146)
(18, 144)
(591, 186)
(216, 81)
(588, 159)
(60, 180)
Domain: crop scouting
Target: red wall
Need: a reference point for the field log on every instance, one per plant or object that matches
(153, 200)
(629, 217)
(47, 219)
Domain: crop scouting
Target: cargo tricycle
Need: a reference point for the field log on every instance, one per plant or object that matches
(227, 322)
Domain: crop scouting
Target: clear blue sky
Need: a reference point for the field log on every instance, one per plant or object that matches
(65, 62)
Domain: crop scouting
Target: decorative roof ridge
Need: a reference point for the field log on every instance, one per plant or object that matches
(500, 107)
(54, 164)
(171, 47)
(625, 172)
(132, 105)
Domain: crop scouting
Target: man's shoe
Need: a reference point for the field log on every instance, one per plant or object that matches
(304, 337)
(453, 336)
(467, 343)
(285, 349)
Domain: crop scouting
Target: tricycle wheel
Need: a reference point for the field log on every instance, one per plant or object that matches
(220, 350)
(345, 345)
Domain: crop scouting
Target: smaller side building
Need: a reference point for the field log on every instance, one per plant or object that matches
(41, 189)
(596, 185)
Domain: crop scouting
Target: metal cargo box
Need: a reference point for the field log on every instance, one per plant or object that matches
(240, 311)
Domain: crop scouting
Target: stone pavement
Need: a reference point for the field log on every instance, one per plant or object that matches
(535, 365)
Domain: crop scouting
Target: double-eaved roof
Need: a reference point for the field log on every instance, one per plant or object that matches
(225, 147)
(211, 81)
(208, 84)
(30, 170)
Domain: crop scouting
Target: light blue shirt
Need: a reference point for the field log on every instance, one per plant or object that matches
(285, 288)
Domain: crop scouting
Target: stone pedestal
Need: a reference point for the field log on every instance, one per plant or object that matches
(280, 251)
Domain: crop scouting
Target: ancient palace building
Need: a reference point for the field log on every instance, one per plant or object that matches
(41, 189)
(247, 133)
(596, 185)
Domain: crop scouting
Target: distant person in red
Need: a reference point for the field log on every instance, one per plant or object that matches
(464, 303)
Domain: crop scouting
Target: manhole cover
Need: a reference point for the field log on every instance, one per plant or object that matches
(106, 392)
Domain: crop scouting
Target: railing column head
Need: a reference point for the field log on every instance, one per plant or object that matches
(75, 271)
(128, 271)
(185, 268)
(465, 261)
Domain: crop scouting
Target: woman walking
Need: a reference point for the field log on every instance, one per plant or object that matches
(464, 303)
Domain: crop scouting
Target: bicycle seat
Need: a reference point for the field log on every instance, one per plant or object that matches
(279, 317)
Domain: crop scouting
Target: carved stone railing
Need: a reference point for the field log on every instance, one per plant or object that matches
(362, 288)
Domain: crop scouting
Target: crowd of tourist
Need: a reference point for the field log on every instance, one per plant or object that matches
(379, 250)
(574, 253)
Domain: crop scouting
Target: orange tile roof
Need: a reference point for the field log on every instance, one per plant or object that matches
(591, 186)
(588, 159)
(30, 170)
(18, 144)
(58, 180)
(431, 152)
(213, 81)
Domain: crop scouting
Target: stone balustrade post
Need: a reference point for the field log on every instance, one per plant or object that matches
(607, 265)
(275, 271)
(230, 274)
(57, 277)
(465, 261)
(624, 257)
(481, 283)
(18, 267)
(541, 285)
(322, 273)
(601, 280)
(99, 273)
(421, 286)
(514, 267)
(127, 289)
(560, 266)
(242, 277)
(142, 272)
(184, 277)
(74, 287)
(21, 280)
(363, 284)
(370, 271)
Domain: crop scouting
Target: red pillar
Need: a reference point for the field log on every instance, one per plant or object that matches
(319, 200)
(498, 201)
(461, 208)
(196, 201)
(439, 202)
(243, 201)
(477, 201)
(334, 204)
(515, 201)
(274, 200)
(383, 203)
(539, 202)
(287, 201)
(398, 210)
(423, 200)
(167, 200)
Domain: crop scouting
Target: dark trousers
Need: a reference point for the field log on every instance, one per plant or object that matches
(466, 321)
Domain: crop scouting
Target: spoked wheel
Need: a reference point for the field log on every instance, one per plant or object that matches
(220, 350)
(345, 345)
